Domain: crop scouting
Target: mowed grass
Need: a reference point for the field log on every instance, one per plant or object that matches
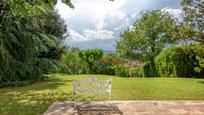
(36, 98)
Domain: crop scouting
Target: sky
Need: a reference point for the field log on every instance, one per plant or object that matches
(98, 23)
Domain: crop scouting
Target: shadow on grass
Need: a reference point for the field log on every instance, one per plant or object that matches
(22, 103)
(202, 81)
(33, 99)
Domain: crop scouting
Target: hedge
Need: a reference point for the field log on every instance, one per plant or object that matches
(178, 61)
(124, 71)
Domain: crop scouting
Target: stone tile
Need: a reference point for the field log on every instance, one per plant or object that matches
(135, 108)
(178, 111)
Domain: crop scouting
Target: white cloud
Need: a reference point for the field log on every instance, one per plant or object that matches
(98, 34)
(102, 20)
(64, 10)
(90, 17)
(175, 12)
(76, 36)
(89, 35)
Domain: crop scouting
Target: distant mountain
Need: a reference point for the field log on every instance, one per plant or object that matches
(109, 52)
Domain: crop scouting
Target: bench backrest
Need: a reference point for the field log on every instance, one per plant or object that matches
(92, 85)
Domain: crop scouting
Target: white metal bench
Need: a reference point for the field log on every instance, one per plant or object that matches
(91, 85)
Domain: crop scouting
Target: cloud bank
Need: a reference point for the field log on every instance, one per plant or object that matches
(98, 23)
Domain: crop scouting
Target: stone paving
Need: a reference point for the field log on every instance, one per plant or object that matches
(130, 108)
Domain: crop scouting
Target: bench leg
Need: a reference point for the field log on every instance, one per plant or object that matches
(75, 101)
(109, 99)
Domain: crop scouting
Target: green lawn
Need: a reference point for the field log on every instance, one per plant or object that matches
(36, 98)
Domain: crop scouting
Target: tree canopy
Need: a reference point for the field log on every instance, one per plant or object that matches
(29, 38)
(193, 12)
(147, 37)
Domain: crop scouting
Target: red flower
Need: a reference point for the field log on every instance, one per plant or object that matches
(106, 62)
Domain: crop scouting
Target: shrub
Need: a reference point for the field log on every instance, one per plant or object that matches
(178, 61)
(108, 70)
(91, 57)
(150, 70)
(71, 63)
(136, 72)
(125, 71)
(199, 49)
(122, 71)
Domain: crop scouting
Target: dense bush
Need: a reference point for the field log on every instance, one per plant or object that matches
(125, 71)
(28, 45)
(121, 70)
(91, 57)
(178, 61)
(49, 65)
(136, 72)
(199, 50)
(71, 63)
(106, 70)
(150, 70)
(107, 64)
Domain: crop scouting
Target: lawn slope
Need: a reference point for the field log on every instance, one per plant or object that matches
(36, 98)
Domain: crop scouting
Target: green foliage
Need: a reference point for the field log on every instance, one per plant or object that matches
(107, 64)
(48, 65)
(201, 63)
(177, 61)
(29, 46)
(111, 57)
(107, 70)
(91, 57)
(68, 2)
(193, 15)
(148, 36)
(51, 23)
(72, 63)
(136, 72)
(184, 33)
(17, 51)
(200, 67)
(200, 58)
(29, 8)
(31, 36)
(150, 69)
(124, 71)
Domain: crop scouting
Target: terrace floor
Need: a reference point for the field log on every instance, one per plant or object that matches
(129, 108)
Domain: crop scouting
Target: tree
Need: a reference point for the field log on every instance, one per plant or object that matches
(148, 37)
(52, 25)
(201, 65)
(31, 36)
(27, 8)
(72, 62)
(193, 13)
(27, 42)
(91, 57)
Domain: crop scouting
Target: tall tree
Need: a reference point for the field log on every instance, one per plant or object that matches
(30, 36)
(52, 25)
(147, 37)
(193, 12)
(26, 41)
(32, 7)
